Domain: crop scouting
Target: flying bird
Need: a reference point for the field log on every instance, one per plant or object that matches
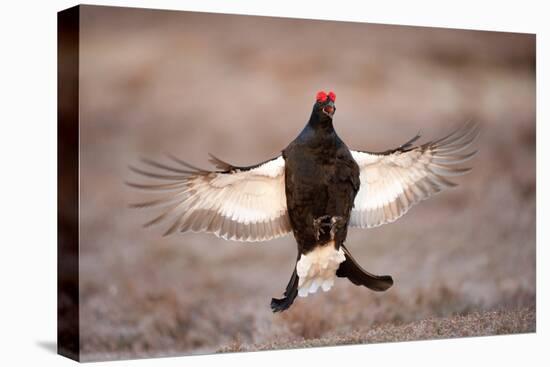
(315, 189)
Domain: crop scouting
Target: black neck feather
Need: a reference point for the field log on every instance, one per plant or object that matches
(321, 123)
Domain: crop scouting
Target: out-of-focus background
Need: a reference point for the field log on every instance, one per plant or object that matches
(241, 87)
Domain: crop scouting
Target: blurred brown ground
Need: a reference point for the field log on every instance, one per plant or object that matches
(241, 87)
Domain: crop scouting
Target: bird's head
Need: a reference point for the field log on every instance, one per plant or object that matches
(324, 106)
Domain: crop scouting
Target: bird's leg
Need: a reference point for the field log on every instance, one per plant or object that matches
(336, 223)
(318, 223)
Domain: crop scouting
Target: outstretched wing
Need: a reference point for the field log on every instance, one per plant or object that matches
(235, 203)
(394, 180)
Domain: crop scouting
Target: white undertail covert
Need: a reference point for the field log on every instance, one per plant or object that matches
(317, 269)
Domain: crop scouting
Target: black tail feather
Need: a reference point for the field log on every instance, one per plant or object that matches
(357, 275)
(281, 304)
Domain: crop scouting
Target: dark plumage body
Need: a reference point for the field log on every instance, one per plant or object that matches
(321, 178)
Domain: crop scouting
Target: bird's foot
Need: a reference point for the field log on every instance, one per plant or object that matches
(336, 223)
(319, 223)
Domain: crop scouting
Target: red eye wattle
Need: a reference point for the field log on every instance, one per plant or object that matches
(321, 96)
(332, 96)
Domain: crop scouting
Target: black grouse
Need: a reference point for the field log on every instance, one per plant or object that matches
(315, 189)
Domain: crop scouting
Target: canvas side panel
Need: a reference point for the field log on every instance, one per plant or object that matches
(68, 23)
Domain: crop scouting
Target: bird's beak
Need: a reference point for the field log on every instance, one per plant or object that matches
(329, 109)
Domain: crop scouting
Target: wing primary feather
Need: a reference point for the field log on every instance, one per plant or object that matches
(456, 149)
(458, 131)
(218, 163)
(410, 142)
(157, 187)
(157, 219)
(460, 141)
(448, 171)
(155, 164)
(186, 164)
(453, 159)
(156, 175)
(174, 226)
(148, 204)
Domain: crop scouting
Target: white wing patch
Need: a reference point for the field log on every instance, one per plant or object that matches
(238, 203)
(392, 182)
